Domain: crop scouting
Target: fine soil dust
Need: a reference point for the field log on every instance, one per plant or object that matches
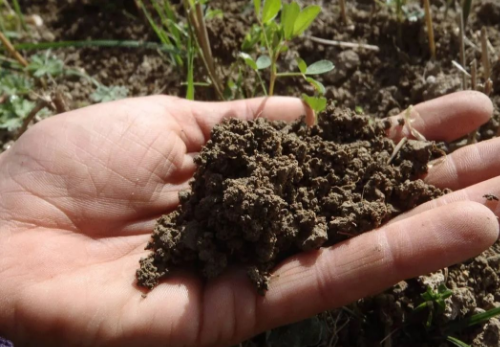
(265, 190)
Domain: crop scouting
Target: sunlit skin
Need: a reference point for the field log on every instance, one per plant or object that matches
(80, 193)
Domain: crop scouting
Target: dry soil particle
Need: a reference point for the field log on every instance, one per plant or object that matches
(265, 190)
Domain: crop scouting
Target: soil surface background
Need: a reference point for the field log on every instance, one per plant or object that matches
(382, 83)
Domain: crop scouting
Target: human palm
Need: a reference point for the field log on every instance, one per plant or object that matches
(80, 193)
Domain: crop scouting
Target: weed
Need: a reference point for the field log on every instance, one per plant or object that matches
(105, 94)
(434, 302)
(274, 37)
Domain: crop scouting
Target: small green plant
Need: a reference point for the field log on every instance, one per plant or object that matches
(434, 301)
(105, 94)
(46, 65)
(171, 32)
(13, 111)
(274, 37)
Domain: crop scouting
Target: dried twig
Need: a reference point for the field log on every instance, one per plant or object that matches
(484, 54)
(471, 138)
(473, 75)
(59, 102)
(396, 150)
(343, 12)
(462, 48)
(343, 44)
(10, 48)
(40, 105)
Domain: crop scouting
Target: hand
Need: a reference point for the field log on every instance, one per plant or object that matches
(80, 193)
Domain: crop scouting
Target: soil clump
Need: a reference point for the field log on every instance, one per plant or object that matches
(266, 190)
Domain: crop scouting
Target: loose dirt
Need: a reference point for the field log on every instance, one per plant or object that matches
(266, 190)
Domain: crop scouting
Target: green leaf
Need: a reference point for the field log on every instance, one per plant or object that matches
(305, 19)
(302, 65)
(46, 65)
(190, 75)
(211, 14)
(256, 5)
(270, 11)
(289, 15)
(483, 317)
(13, 111)
(320, 67)
(252, 38)
(248, 60)
(317, 85)
(105, 94)
(456, 342)
(318, 104)
(283, 48)
(263, 62)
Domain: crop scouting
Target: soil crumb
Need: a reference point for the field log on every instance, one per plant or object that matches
(266, 190)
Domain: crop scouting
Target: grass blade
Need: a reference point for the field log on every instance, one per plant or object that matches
(190, 76)
(98, 43)
(483, 317)
(466, 7)
(456, 342)
(19, 14)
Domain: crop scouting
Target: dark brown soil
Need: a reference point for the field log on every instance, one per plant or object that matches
(266, 190)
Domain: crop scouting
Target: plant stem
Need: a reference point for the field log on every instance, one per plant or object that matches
(343, 12)
(430, 29)
(289, 74)
(10, 48)
(471, 138)
(343, 44)
(484, 54)
(202, 45)
(462, 48)
(41, 104)
(262, 83)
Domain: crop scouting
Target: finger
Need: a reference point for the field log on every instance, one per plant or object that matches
(322, 280)
(467, 166)
(446, 118)
(368, 264)
(475, 193)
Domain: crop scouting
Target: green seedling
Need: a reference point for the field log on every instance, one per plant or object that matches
(45, 65)
(169, 32)
(434, 303)
(105, 94)
(13, 110)
(274, 36)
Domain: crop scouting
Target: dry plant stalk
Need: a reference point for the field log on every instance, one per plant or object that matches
(472, 137)
(462, 48)
(40, 105)
(197, 23)
(430, 29)
(343, 44)
(12, 50)
(484, 54)
(473, 75)
(343, 11)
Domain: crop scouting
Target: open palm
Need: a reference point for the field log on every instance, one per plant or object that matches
(80, 193)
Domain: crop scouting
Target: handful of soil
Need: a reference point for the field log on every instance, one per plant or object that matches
(266, 190)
